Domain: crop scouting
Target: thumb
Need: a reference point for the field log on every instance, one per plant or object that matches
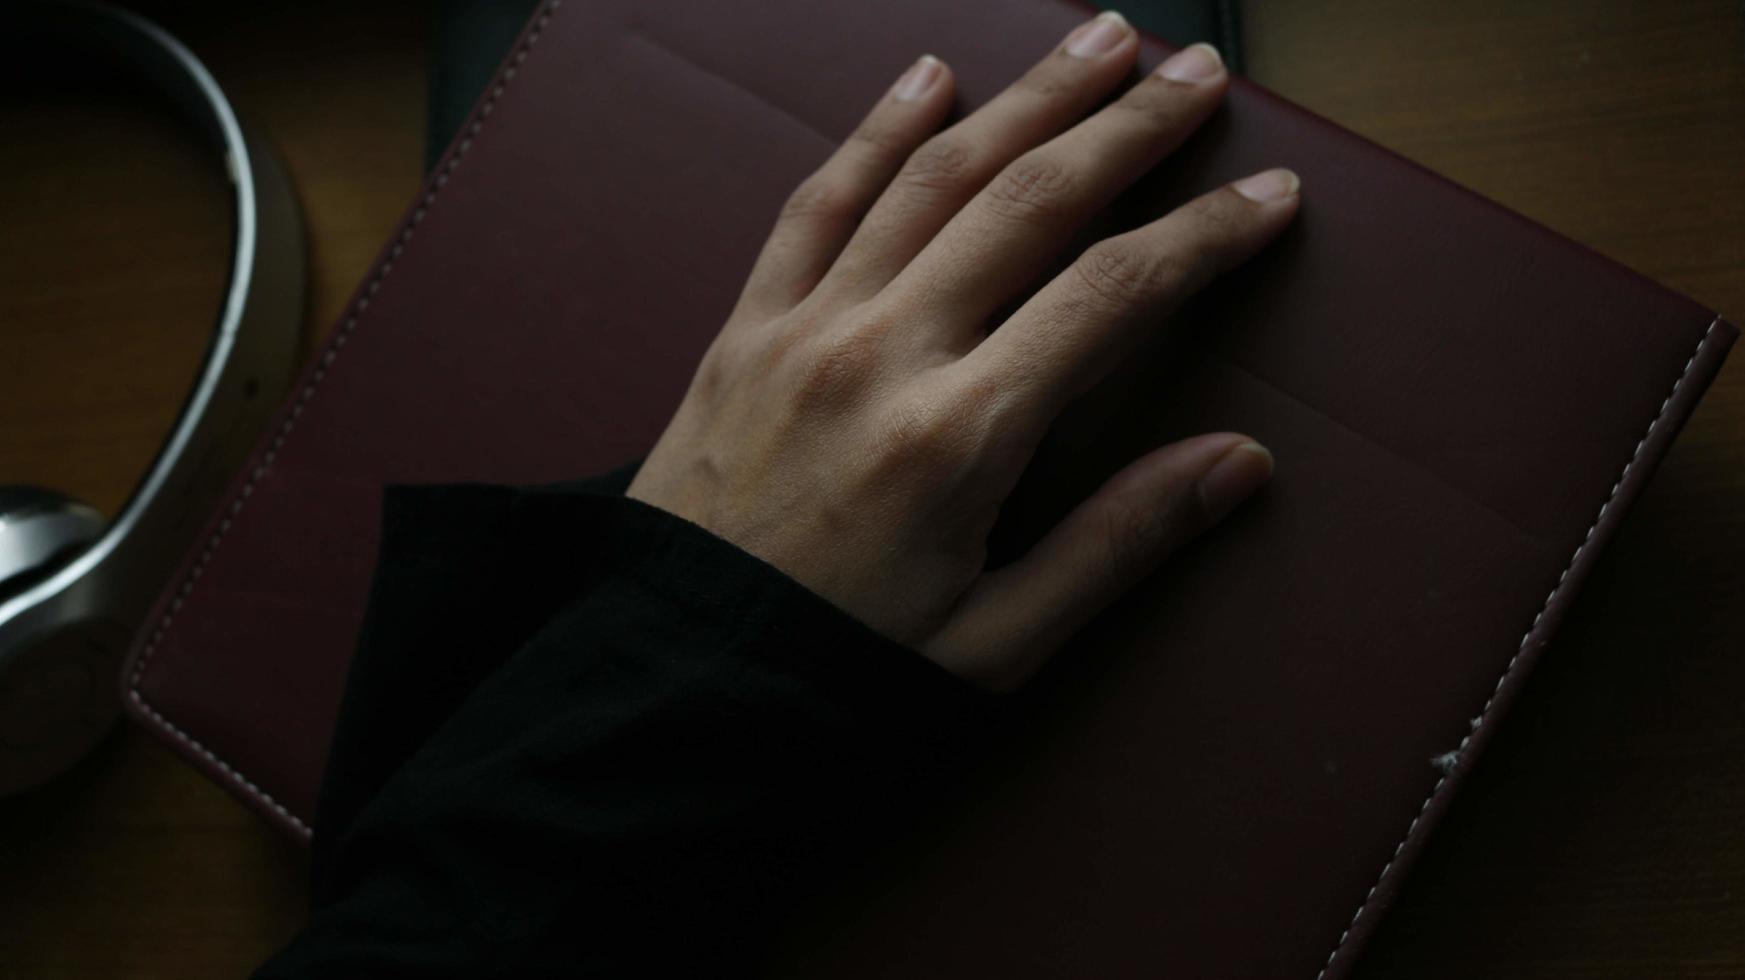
(1012, 619)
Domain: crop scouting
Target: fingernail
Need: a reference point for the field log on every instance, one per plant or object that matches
(1268, 185)
(1192, 64)
(918, 79)
(1098, 36)
(1234, 478)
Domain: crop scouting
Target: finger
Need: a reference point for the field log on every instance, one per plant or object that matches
(1069, 335)
(947, 171)
(1027, 213)
(1014, 618)
(821, 214)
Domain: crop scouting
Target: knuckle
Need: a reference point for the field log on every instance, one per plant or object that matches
(1132, 534)
(923, 433)
(1161, 93)
(713, 373)
(1218, 218)
(828, 372)
(982, 397)
(879, 138)
(1117, 275)
(1048, 81)
(776, 350)
(1155, 106)
(940, 164)
(1033, 187)
(815, 199)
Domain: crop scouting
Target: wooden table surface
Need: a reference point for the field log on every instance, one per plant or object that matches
(1602, 836)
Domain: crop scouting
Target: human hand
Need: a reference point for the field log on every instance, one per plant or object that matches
(857, 426)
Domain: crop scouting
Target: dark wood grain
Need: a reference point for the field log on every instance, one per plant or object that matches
(1602, 836)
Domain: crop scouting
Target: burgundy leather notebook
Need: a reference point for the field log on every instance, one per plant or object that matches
(1228, 774)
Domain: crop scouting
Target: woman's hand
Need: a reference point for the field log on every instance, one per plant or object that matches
(856, 426)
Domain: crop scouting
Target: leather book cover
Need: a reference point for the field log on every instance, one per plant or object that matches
(1229, 773)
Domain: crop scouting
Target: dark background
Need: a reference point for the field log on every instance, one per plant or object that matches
(1602, 836)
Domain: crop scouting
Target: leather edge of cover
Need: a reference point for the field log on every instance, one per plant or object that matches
(1687, 390)
(179, 585)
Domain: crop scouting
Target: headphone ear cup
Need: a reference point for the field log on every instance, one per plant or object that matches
(20, 497)
(58, 697)
(57, 686)
(40, 530)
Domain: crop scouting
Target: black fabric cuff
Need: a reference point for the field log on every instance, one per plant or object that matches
(768, 614)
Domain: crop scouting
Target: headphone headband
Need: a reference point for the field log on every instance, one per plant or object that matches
(247, 364)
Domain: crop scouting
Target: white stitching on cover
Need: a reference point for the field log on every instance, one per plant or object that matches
(1484, 712)
(303, 397)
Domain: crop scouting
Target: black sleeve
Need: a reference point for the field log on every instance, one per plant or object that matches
(584, 737)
